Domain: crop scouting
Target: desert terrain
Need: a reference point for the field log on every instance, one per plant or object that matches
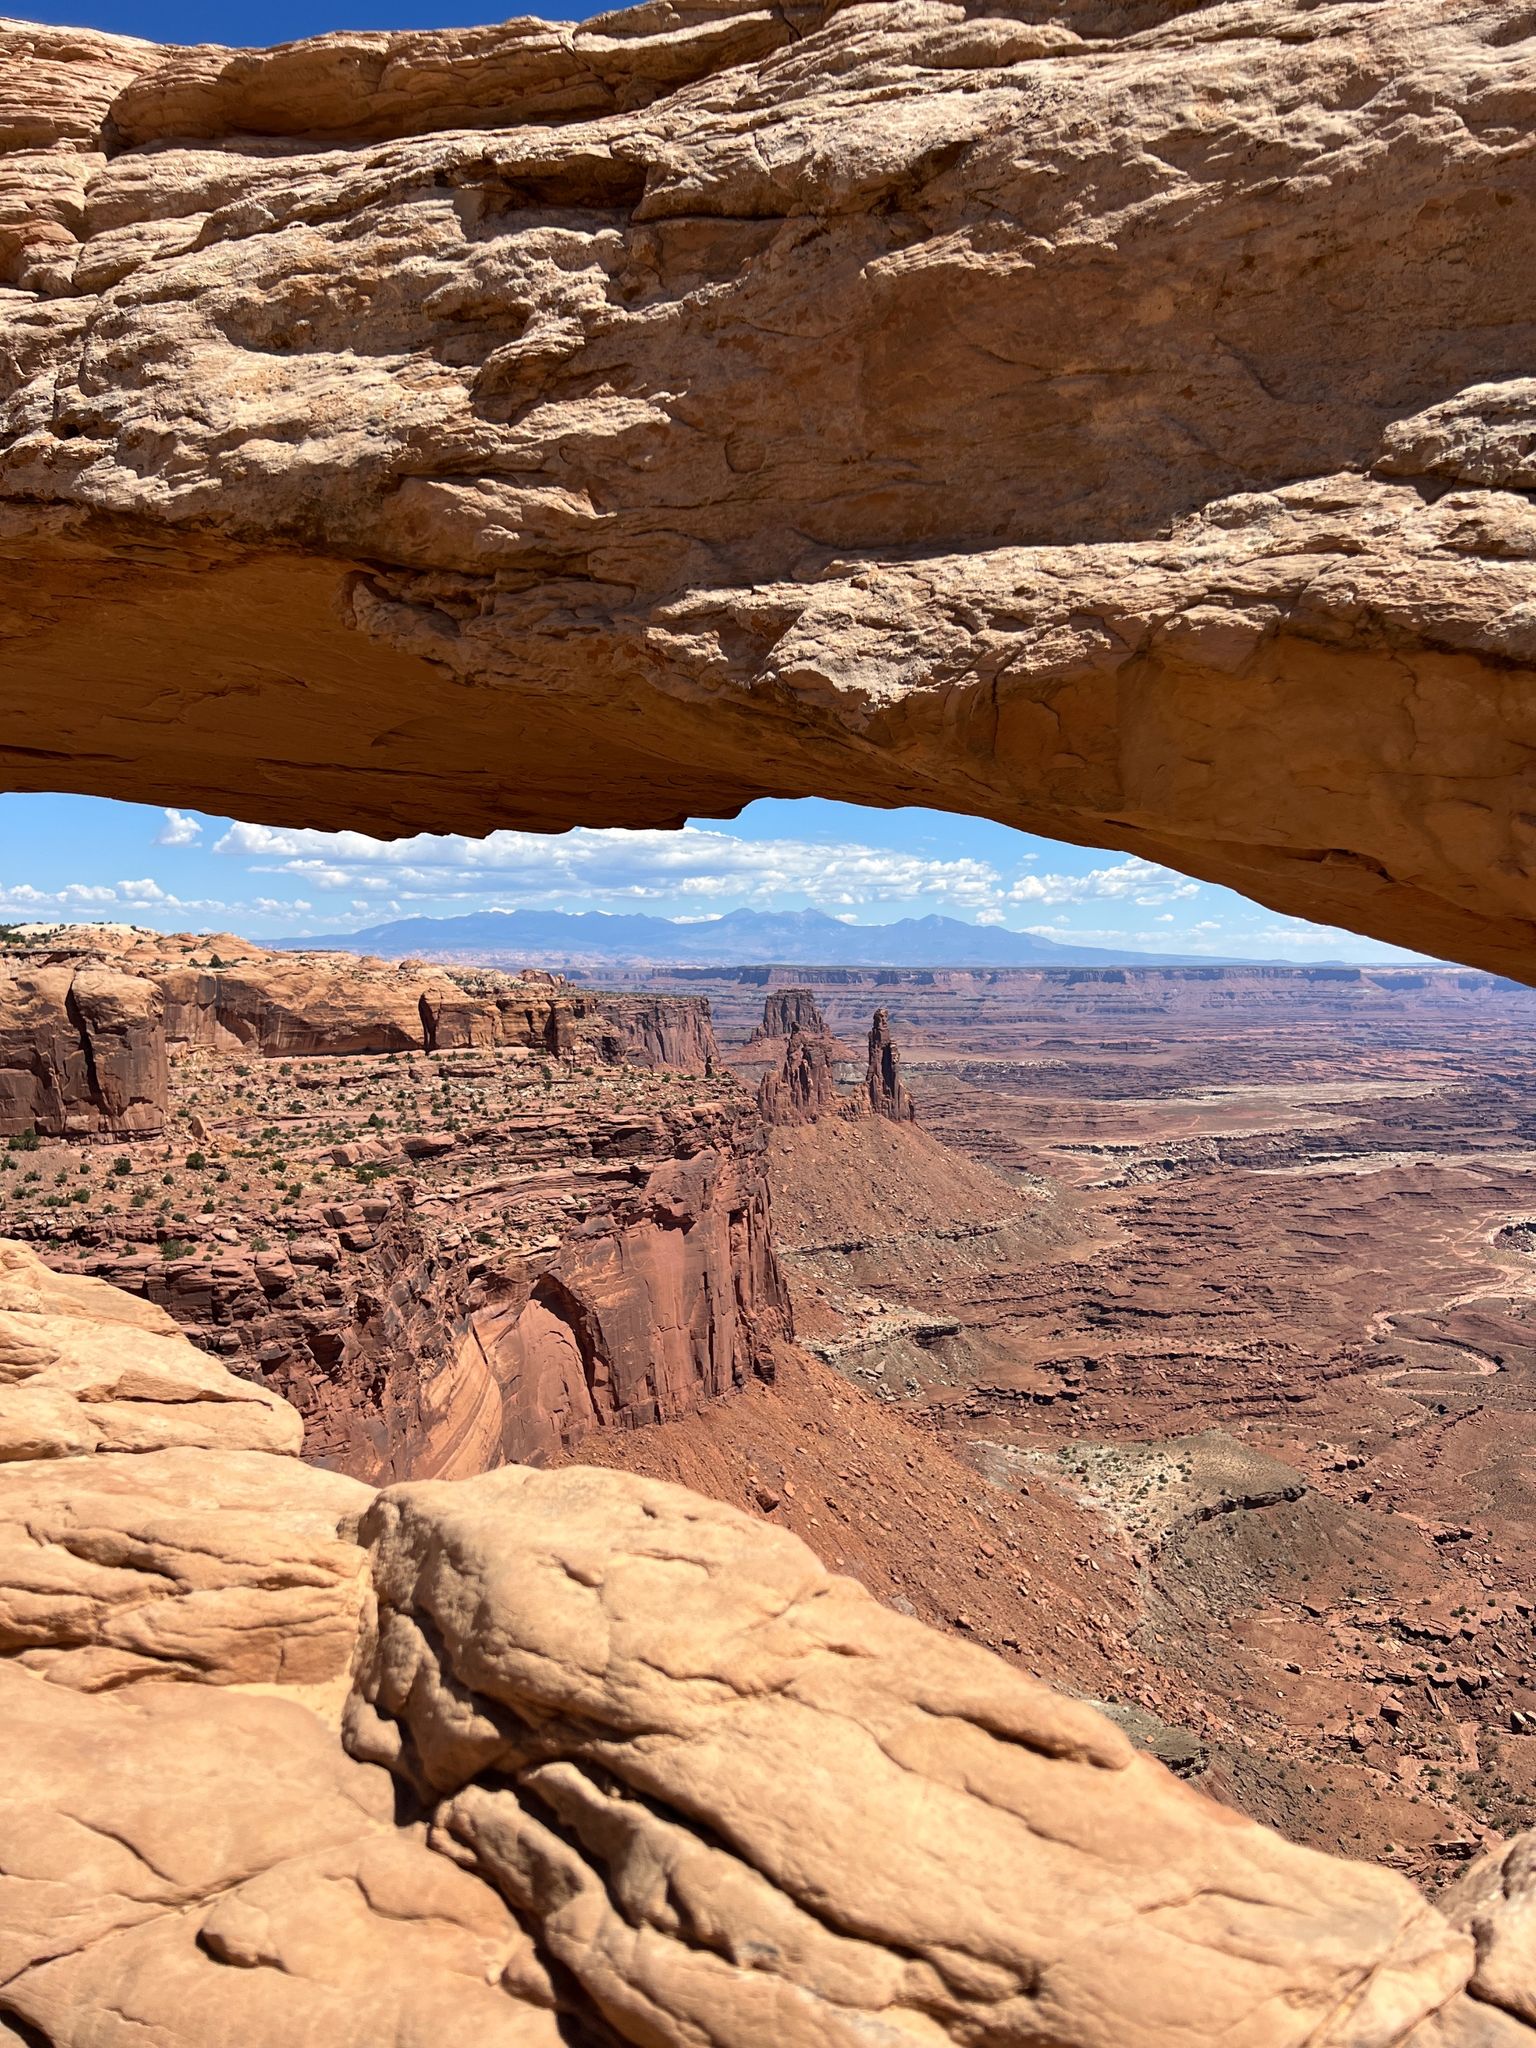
(1242, 1259)
(1170, 1333)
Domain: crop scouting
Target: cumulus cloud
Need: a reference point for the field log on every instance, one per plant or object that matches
(179, 829)
(1132, 880)
(618, 869)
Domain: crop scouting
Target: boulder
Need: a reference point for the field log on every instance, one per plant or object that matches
(85, 1367)
(639, 1712)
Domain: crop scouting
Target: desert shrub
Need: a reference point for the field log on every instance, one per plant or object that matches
(24, 1141)
(122, 1166)
(175, 1248)
(197, 1161)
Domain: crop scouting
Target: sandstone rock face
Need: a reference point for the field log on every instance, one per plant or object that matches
(211, 1553)
(82, 1052)
(533, 1279)
(65, 1392)
(639, 1755)
(233, 1568)
(308, 1003)
(548, 1014)
(663, 1293)
(883, 1084)
(900, 403)
(282, 1005)
(789, 1009)
(805, 1086)
(187, 1868)
(677, 1783)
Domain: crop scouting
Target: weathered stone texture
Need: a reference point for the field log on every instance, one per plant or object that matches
(675, 1782)
(82, 1052)
(1115, 421)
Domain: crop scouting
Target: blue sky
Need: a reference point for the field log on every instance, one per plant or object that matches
(81, 858)
(165, 21)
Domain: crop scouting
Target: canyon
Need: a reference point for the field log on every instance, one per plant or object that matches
(1073, 1319)
(459, 1235)
(1112, 418)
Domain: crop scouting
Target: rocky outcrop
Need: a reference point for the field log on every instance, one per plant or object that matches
(280, 1005)
(906, 404)
(660, 1293)
(201, 1549)
(66, 1391)
(546, 1013)
(805, 1087)
(883, 1084)
(786, 1010)
(284, 1005)
(527, 1282)
(657, 1777)
(82, 1052)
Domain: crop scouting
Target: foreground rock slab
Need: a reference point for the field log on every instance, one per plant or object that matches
(578, 1757)
(642, 1712)
(85, 1367)
(183, 1868)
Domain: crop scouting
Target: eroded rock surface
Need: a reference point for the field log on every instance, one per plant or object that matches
(87, 1368)
(82, 1052)
(538, 1214)
(674, 1781)
(546, 424)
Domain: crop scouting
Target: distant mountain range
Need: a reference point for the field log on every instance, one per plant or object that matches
(742, 938)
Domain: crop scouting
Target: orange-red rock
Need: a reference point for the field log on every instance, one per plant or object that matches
(898, 404)
(82, 1052)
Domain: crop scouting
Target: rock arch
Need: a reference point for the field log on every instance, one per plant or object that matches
(1112, 420)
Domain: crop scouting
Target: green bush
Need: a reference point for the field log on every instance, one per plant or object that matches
(122, 1166)
(24, 1141)
(174, 1248)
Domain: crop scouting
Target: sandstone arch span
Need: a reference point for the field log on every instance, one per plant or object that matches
(1108, 418)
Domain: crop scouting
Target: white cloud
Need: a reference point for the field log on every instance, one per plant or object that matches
(616, 869)
(1132, 880)
(179, 829)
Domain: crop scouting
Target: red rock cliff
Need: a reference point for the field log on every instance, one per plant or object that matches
(82, 1052)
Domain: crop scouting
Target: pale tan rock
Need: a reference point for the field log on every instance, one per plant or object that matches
(746, 1803)
(1109, 423)
(85, 1367)
(228, 1568)
(180, 1868)
(1496, 1903)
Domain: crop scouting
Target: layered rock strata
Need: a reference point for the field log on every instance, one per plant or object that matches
(786, 1010)
(658, 1776)
(495, 1293)
(222, 994)
(886, 1090)
(804, 1088)
(82, 1053)
(904, 404)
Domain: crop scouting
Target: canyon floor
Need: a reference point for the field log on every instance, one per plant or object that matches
(1182, 1351)
(1248, 1267)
